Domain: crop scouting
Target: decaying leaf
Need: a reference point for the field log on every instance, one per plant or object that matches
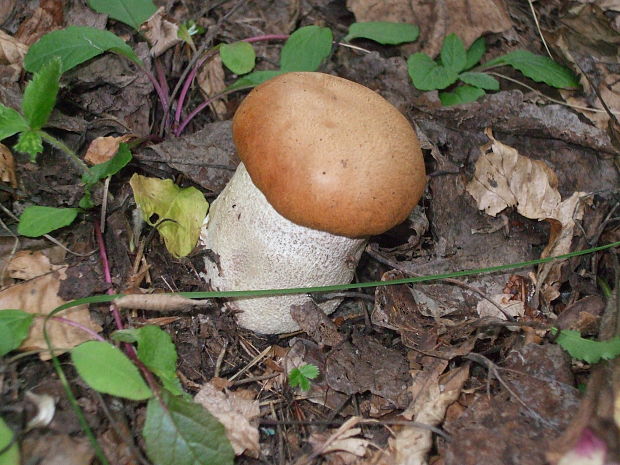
(514, 308)
(161, 31)
(343, 442)
(211, 82)
(236, 414)
(505, 178)
(12, 53)
(179, 212)
(103, 149)
(411, 444)
(7, 166)
(39, 295)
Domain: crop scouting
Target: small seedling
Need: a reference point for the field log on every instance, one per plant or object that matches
(457, 64)
(302, 375)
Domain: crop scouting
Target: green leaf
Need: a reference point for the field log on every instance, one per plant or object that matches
(158, 353)
(428, 75)
(586, 349)
(36, 221)
(14, 328)
(184, 433)
(11, 122)
(130, 12)
(538, 68)
(453, 55)
(482, 80)
(462, 94)
(107, 369)
(239, 57)
(300, 376)
(40, 94)
(475, 52)
(306, 49)
(253, 79)
(74, 45)
(384, 32)
(11, 455)
(108, 168)
(180, 212)
(30, 142)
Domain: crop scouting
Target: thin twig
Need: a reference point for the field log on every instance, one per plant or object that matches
(538, 28)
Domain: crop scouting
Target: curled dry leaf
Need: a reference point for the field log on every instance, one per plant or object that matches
(12, 51)
(39, 295)
(343, 441)
(7, 166)
(505, 178)
(514, 308)
(211, 82)
(161, 31)
(103, 149)
(236, 414)
(47, 18)
(411, 445)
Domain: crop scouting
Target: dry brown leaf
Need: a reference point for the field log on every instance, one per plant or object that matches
(342, 442)
(514, 308)
(411, 445)
(103, 149)
(39, 295)
(505, 178)
(235, 413)
(211, 82)
(12, 51)
(161, 31)
(469, 19)
(48, 17)
(7, 166)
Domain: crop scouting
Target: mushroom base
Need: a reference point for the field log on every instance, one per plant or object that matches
(257, 248)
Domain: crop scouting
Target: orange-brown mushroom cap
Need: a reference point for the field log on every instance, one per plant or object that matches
(330, 154)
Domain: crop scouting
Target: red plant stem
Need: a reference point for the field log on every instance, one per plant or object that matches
(75, 324)
(192, 75)
(163, 98)
(201, 107)
(106, 274)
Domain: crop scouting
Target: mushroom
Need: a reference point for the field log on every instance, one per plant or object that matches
(326, 163)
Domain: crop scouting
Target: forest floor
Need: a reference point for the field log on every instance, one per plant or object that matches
(456, 371)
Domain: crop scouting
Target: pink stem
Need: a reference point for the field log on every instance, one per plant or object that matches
(106, 274)
(75, 324)
(192, 75)
(163, 99)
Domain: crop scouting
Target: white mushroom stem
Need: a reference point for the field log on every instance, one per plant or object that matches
(257, 248)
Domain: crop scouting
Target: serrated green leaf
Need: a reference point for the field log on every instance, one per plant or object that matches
(36, 221)
(30, 142)
(462, 94)
(384, 32)
(11, 455)
(180, 212)
(475, 52)
(40, 94)
(481, 80)
(306, 49)
(538, 68)
(158, 353)
(309, 371)
(239, 57)
(130, 12)
(428, 75)
(453, 55)
(108, 168)
(107, 369)
(253, 79)
(11, 122)
(184, 433)
(74, 45)
(588, 350)
(14, 328)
